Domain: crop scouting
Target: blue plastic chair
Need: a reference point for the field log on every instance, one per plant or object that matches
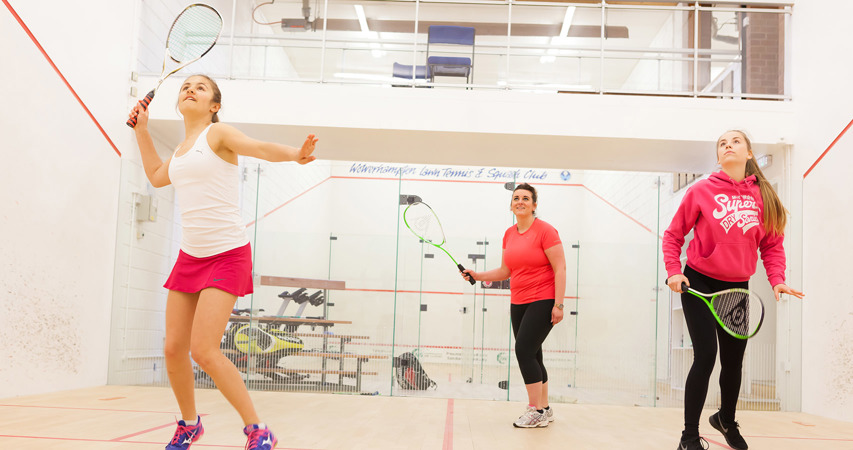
(450, 66)
(405, 71)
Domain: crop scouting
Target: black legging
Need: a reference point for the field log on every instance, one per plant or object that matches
(531, 323)
(704, 332)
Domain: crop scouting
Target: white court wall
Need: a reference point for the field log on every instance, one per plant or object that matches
(60, 181)
(828, 309)
(822, 100)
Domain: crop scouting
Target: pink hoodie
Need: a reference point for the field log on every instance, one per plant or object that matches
(727, 217)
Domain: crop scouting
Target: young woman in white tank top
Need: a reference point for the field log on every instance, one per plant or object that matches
(214, 265)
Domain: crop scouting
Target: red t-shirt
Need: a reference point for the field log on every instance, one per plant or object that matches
(529, 268)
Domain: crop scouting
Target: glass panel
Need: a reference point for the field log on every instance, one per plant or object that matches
(460, 331)
(365, 39)
(647, 50)
(555, 47)
(720, 68)
(279, 43)
(489, 51)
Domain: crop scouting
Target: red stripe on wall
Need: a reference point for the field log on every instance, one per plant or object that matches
(466, 181)
(67, 84)
(827, 149)
(292, 199)
(435, 292)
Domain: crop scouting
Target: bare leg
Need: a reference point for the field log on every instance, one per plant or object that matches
(180, 309)
(534, 393)
(211, 317)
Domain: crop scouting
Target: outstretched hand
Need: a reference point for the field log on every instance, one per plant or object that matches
(782, 288)
(305, 156)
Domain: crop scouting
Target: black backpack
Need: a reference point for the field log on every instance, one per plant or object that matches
(410, 374)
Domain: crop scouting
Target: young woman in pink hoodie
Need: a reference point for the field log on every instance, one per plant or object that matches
(735, 213)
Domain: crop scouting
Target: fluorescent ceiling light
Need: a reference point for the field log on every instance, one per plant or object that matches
(567, 21)
(362, 20)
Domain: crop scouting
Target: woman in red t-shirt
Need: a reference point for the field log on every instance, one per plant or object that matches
(533, 257)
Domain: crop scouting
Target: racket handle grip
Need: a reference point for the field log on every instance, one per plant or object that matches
(144, 105)
(467, 276)
(684, 287)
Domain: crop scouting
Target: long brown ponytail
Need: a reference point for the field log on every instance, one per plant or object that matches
(775, 214)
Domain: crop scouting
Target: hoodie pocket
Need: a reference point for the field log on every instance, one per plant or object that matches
(729, 260)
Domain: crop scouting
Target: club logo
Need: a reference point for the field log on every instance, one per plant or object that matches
(501, 358)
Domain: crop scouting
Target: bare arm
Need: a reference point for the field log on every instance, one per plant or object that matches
(557, 258)
(155, 169)
(230, 138)
(501, 273)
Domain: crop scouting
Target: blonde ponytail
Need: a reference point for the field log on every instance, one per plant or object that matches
(775, 214)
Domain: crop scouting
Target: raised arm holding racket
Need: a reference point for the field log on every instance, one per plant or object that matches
(214, 265)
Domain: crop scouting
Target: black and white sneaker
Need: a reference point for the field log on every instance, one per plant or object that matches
(729, 431)
(696, 443)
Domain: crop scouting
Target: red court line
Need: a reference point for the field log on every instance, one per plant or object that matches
(466, 181)
(827, 149)
(448, 427)
(617, 209)
(121, 438)
(794, 438)
(716, 443)
(434, 292)
(88, 409)
(450, 181)
(149, 443)
(452, 347)
(67, 84)
(292, 199)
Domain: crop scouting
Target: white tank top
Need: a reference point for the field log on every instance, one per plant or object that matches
(208, 192)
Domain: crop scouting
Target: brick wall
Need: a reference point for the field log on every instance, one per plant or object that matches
(764, 53)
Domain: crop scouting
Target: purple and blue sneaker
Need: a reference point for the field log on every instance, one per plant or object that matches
(185, 435)
(259, 438)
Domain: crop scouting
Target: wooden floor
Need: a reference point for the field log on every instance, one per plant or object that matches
(129, 418)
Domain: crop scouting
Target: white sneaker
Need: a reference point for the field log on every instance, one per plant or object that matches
(549, 414)
(531, 419)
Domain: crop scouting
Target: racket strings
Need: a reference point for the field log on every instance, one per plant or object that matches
(193, 33)
(424, 224)
(738, 312)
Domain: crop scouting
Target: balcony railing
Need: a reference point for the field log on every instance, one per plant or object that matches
(684, 50)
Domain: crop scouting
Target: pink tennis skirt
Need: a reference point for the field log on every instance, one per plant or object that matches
(229, 271)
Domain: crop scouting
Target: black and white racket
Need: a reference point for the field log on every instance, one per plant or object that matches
(194, 32)
(739, 311)
(424, 223)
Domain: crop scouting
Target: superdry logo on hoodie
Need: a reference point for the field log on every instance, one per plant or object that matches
(740, 210)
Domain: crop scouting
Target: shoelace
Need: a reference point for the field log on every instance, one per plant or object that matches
(254, 436)
(702, 443)
(180, 432)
